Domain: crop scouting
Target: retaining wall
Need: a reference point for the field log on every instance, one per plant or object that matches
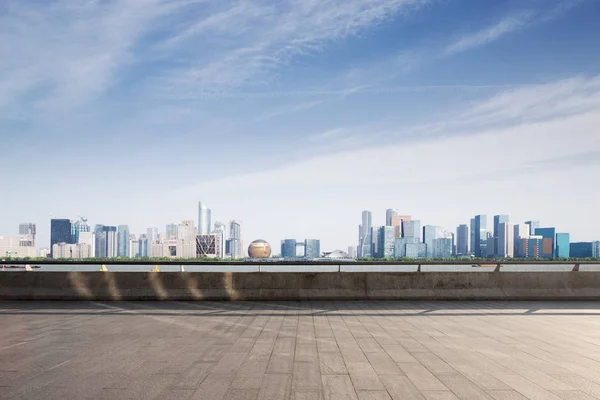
(299, 286)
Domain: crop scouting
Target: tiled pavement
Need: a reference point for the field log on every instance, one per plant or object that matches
(300, 350)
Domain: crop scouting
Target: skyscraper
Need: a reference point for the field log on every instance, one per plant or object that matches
(472, 237)
(549, 242)
(171, 231)
(430, 233)
(143, 246)
(204, 219)
(60, 232)
(220, 231)
(397, 223)
(533, 225)
(106, 241)
(79, 226)
(412, 229)
(123, 241)
(235, 240)
(364, 237)
(563, 245)
(312, 248)
(462, 240)
(499, 219)
(288, 248)
(27, 231)
(506, 240)
(480, 236)
(152, 235)
(389, 214)
(386, 241)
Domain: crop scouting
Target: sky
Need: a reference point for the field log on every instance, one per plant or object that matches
(294, 116)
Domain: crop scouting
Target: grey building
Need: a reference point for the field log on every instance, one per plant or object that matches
(416, 250)
(106, 241)
(412, 229)
(312, 248)
(235, 240)
(499, 219)
(472, 237)
(386, 242)
(204, 219)
(77, 227)
(364, 235)
(143, 246)
(389, 213)
(123, 241)
(462, 240)
(480, 236)
(288, 248)
(441, 247)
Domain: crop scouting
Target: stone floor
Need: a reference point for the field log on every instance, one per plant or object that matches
(300, 350)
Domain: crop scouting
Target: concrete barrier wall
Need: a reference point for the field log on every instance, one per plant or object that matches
(299, 286)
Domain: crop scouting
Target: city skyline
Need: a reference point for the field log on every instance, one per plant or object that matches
(498, 239)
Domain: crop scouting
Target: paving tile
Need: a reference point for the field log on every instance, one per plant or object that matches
(573, 395)
(421, 377)
(439, 395)
(364, 376)
(506, 395)
(400, 387)
(338, 387)
(373, 395)
(275, 387)
(332, 364)
(306, 376)
(383, 364)
(463, 388)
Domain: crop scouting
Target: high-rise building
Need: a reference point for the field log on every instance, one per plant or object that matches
(430, 233)
(123, 241)
(60, 232)
(235, 240)
(171, 231)
(88, 238)
(472, 236)
(412, 229)
(204, 219)
(207, 245)
(27, 231)
(563, 245)
(106, 241)
(462, 240)
(220, 230)
(549, 234)
(288, 248)
(397, 224)
(81, 225)
(533, 225)
(490, 247)
(505, 240)
(441, 247)
(480, 236)
(143, 246)
(351, 251)
(386, 241)
(415, 250)
(152, 235)
(364, 235)
(185, 244)
(312, 248)
(70, 250)
(499, 219)
(389, 214)
(134, 246)
(10, 246)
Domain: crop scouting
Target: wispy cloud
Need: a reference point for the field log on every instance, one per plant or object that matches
(509, 24)
(491, 33)
(278, 111)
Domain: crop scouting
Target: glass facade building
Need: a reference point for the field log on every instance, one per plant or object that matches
(123, 241)
(499, 219)
(480, 236)
(386, 242)
(563, 245)
(549, 250)
(462, 240)
(441, 248)
(416, 250)
(412, 229)
(60, 232)
(288, 248)
(312, 248)
(204, 219)
(533, 225)
(143, 246)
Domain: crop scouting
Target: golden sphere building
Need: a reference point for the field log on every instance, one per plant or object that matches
(259, 249)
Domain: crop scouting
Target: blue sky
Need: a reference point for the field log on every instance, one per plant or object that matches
(293, 116)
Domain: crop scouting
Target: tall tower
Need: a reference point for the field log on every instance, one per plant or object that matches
(204, 223)
(123, 241)
(389, 214)
(480, 249)
(60, 232)
(462, 241)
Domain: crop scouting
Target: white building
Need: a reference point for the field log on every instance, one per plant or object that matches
(506, 240)
(10, 246)
(88, 238)
(67, 250)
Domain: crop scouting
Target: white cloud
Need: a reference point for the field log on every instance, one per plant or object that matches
(491, 33)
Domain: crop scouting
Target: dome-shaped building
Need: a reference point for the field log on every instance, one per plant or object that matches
(337, 254)
(259, 249)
